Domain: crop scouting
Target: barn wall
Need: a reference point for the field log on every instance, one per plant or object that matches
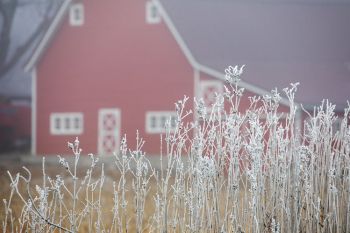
(115, 60)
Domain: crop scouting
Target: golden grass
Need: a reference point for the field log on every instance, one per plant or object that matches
(111, 175)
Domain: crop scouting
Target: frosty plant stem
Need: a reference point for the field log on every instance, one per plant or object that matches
(227, 170)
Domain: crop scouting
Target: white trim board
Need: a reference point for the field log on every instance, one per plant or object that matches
(176, 34)
(34, 113)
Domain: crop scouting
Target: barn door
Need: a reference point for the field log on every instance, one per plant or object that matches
(108, 131)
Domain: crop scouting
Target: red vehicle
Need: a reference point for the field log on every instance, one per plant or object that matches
(14, 127)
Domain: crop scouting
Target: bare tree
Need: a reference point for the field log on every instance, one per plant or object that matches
(8, 9)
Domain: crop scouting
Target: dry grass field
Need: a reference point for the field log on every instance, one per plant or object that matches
(227, 172)
(52, 170)
(15, 166)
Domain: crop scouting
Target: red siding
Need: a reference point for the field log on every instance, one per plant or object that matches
(115, 60)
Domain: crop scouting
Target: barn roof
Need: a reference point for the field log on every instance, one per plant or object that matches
(279, 41)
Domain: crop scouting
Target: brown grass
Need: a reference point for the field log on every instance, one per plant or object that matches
(111, 175)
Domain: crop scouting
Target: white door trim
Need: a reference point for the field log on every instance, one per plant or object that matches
(108, 135)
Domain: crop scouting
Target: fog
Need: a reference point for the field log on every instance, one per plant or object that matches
(138, 58)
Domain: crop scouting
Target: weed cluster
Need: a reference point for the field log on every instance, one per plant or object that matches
(227, 171)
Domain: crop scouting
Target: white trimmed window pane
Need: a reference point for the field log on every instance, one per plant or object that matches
(152, 13)
(57, 123)
(337, 124)
(173, 122)
(163, 121)
(76, 14)
(156, 121)
(153, 122)
(66, 123)
(76, 123)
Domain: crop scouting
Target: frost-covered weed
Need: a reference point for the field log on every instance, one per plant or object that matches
(229, 170)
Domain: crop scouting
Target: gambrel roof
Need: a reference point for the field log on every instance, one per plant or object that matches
(280, 42)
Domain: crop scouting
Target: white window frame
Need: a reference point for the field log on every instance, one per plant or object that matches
(204, 84)
(76, 14)
(336, 125)
(158, 117)
(71, 117)
(150, 17)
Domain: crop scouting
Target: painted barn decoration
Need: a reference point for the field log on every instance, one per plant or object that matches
(104, 69)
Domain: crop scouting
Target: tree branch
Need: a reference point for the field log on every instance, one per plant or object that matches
(6, 62)
(7, 11)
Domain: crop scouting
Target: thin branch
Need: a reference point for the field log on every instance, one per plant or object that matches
(37, 212)
(6, 62)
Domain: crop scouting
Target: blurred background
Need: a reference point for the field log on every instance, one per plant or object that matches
(22, 23)
(163, 46)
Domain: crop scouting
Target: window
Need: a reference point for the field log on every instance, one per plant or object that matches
(156, 121)
(152, 13)
(336, 125)
(76, 14)
(66, 123)
(208, 88)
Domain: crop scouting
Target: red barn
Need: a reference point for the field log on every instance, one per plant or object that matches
(105, 69)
